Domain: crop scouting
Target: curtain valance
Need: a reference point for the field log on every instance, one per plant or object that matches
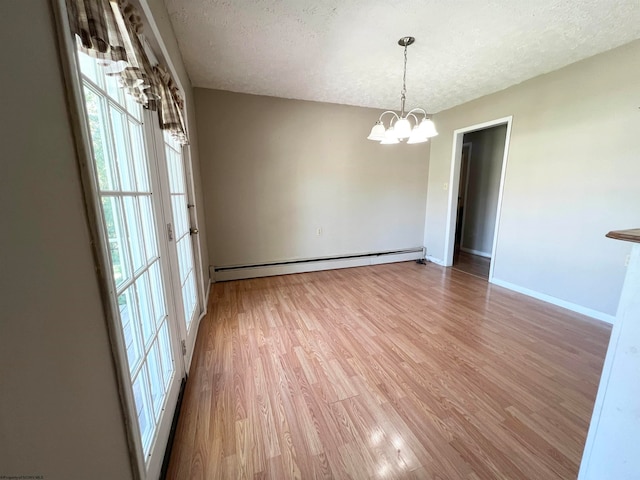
(109, 31)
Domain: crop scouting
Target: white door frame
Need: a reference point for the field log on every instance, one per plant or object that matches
(454, 181)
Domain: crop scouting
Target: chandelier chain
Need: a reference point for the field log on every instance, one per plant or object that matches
(404, 83)
(404, 76)
(405, 125)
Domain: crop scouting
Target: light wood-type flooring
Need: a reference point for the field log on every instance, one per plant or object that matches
(472, 264)
(392, 371)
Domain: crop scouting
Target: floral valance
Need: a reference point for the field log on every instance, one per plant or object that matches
(109, 31)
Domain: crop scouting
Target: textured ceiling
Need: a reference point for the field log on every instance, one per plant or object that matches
(346, 51)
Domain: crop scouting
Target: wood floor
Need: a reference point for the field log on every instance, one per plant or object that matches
(391, 371)
(472, 264)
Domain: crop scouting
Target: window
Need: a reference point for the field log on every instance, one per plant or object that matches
(135, 181)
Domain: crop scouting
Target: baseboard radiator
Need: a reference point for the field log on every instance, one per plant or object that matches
(237, 272)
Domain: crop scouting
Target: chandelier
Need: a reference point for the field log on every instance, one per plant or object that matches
(400, 126)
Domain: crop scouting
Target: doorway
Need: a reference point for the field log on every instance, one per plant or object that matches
(466, 258)
(477, 176)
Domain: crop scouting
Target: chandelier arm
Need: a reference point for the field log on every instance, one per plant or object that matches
(418, 109)
(414, 117)
(388, 111)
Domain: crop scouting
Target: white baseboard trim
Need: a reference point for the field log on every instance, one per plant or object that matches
(314, 266)
(476, 252)
(610, 319)
(435, 260)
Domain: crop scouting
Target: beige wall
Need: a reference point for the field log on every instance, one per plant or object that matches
(482, 188)
(161, 18)
(60, 416)
(275, 170)
(572, 175)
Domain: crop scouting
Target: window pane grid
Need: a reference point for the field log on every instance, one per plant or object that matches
(131, 329)
(138, 274)
(133, 108)
(122, 167)
(189, 295)
(88, 67)
(123, 237)
(150, 387)
(136, 242)
(152, 381)
(184, 250)
(184, 255)
(113, 88)
(146, 308)
(176, 173)
(183, 237)
(138, 155)
(107, 177)
(120, 139)
(156, 292)
(127, 114)
(143, 230)
(181, 261)
(148, 228)
(186, 279)
(129, 150)
(144, 350)
(116, 233)
(142, 400)
(156, 383)
(180, 215)
(165, 354)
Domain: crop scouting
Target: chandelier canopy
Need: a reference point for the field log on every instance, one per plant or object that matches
(400, 126)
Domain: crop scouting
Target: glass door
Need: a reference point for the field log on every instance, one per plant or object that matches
(183, 232)
(130, 194)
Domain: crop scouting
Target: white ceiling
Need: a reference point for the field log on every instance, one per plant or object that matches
(346, 51)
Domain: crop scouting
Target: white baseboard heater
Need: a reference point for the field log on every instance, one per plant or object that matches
(221, 274)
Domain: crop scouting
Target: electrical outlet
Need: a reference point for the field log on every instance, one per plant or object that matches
(627, 259)
(318, 231)
(445, 186)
